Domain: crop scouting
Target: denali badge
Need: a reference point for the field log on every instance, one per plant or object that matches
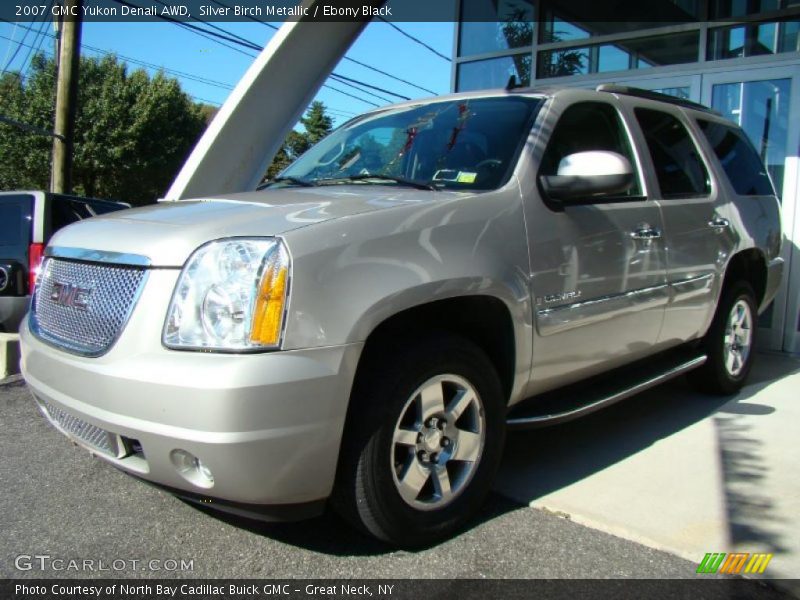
(68, 294)
(560, 297)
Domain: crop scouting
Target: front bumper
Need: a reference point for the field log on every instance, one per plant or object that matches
(268, 426)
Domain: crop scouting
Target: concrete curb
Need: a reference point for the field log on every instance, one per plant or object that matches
(9, 354)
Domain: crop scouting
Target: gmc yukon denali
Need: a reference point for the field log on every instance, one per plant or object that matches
(361, 331)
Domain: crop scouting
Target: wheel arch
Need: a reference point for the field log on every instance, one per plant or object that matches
(485, 320)
(748, 265)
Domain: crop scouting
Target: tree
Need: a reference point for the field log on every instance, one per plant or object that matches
(132, 131)
(317, 125)
(316, 122)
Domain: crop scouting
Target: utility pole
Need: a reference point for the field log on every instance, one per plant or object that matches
(69, 49)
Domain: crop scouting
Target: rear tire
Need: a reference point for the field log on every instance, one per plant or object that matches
(729, 343)
(424, 437)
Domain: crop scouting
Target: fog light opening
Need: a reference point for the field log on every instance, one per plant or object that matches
(192, 469)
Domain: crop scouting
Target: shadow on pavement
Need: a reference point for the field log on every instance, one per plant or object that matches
(751, 513)
(567, 453)
(330, 534)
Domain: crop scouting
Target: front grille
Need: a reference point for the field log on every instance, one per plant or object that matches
(90, 434)
(83, 307)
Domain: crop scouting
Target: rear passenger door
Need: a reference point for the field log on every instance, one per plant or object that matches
(598, 265)
(698, 236)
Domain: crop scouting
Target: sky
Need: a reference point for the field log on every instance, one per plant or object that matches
(172, 47)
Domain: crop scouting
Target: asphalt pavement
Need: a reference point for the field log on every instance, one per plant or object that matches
(59, 501)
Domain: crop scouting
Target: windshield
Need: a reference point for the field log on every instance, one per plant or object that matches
(458, 144)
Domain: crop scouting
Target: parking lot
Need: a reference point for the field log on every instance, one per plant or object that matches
(59, 501)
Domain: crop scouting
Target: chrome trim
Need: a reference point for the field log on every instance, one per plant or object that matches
(540, 420)
(33, 324)
(98, 256)
(684, 289)
(569, 316)
(86, 434)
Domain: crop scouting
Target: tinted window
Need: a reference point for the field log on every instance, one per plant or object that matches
(679, 169)
(10, 224)
(583, 127)
(738, 158)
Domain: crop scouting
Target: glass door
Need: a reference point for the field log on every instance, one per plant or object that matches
(760, 101)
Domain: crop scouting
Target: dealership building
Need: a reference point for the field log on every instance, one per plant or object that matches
(741, 57)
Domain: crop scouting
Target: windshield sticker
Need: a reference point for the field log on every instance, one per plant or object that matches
(466, 177)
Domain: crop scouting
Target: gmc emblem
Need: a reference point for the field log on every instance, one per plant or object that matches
(68, 294)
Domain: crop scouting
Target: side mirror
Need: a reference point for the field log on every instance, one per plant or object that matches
(589, 174)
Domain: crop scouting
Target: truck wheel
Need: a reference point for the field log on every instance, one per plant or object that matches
(729, 343)
(424, 437)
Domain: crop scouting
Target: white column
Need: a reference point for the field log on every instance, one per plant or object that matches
(234, 152)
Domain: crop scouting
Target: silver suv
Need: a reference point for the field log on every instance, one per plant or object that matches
(364, 329)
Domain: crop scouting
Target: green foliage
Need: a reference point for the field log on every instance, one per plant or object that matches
(317, 125)
(132, 132)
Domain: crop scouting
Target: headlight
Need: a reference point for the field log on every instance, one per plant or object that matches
(231, 295)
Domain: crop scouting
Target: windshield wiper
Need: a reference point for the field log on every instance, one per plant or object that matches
(287, 179)
(420, 185)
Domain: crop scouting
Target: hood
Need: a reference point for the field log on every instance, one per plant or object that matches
(167, 233)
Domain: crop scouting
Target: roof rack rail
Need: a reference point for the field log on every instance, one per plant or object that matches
(613, 88)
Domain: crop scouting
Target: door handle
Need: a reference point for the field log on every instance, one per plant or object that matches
(719, 223)
(646, 233)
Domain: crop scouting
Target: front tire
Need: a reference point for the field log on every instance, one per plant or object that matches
(729, 343)
(424, 437)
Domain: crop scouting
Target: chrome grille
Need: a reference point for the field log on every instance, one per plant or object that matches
(83, 307)
(90, 434)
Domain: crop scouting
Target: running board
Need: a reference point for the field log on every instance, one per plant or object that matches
(577, 400)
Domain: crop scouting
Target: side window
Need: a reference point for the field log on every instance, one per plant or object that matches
(738, 158)
(588, 126)
(679, 169)
(66, 212)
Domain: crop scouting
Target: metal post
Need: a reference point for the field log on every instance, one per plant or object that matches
(66, 97)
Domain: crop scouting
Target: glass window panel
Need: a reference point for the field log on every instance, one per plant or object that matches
(566, 20)
(492, 25)
(560, 63)
(761, 108)
(722, 9)
(753, 40)
(11, 221)
(678, 92)
(494, 72)
(584, 127)
(738, 158)
(641, 52)
(613, 58)
(679, 169)
(558, 30)
(673, 49)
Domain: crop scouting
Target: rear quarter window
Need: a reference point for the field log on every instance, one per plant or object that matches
(15, 224)
(738, 158)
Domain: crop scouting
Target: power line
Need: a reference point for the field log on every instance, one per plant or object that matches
(38, 38)
(347, 58)
(183, 74)
(330, 87)
(374, 95)
(16, 51)
(417, 40)
(11, 40)
(251, 45)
